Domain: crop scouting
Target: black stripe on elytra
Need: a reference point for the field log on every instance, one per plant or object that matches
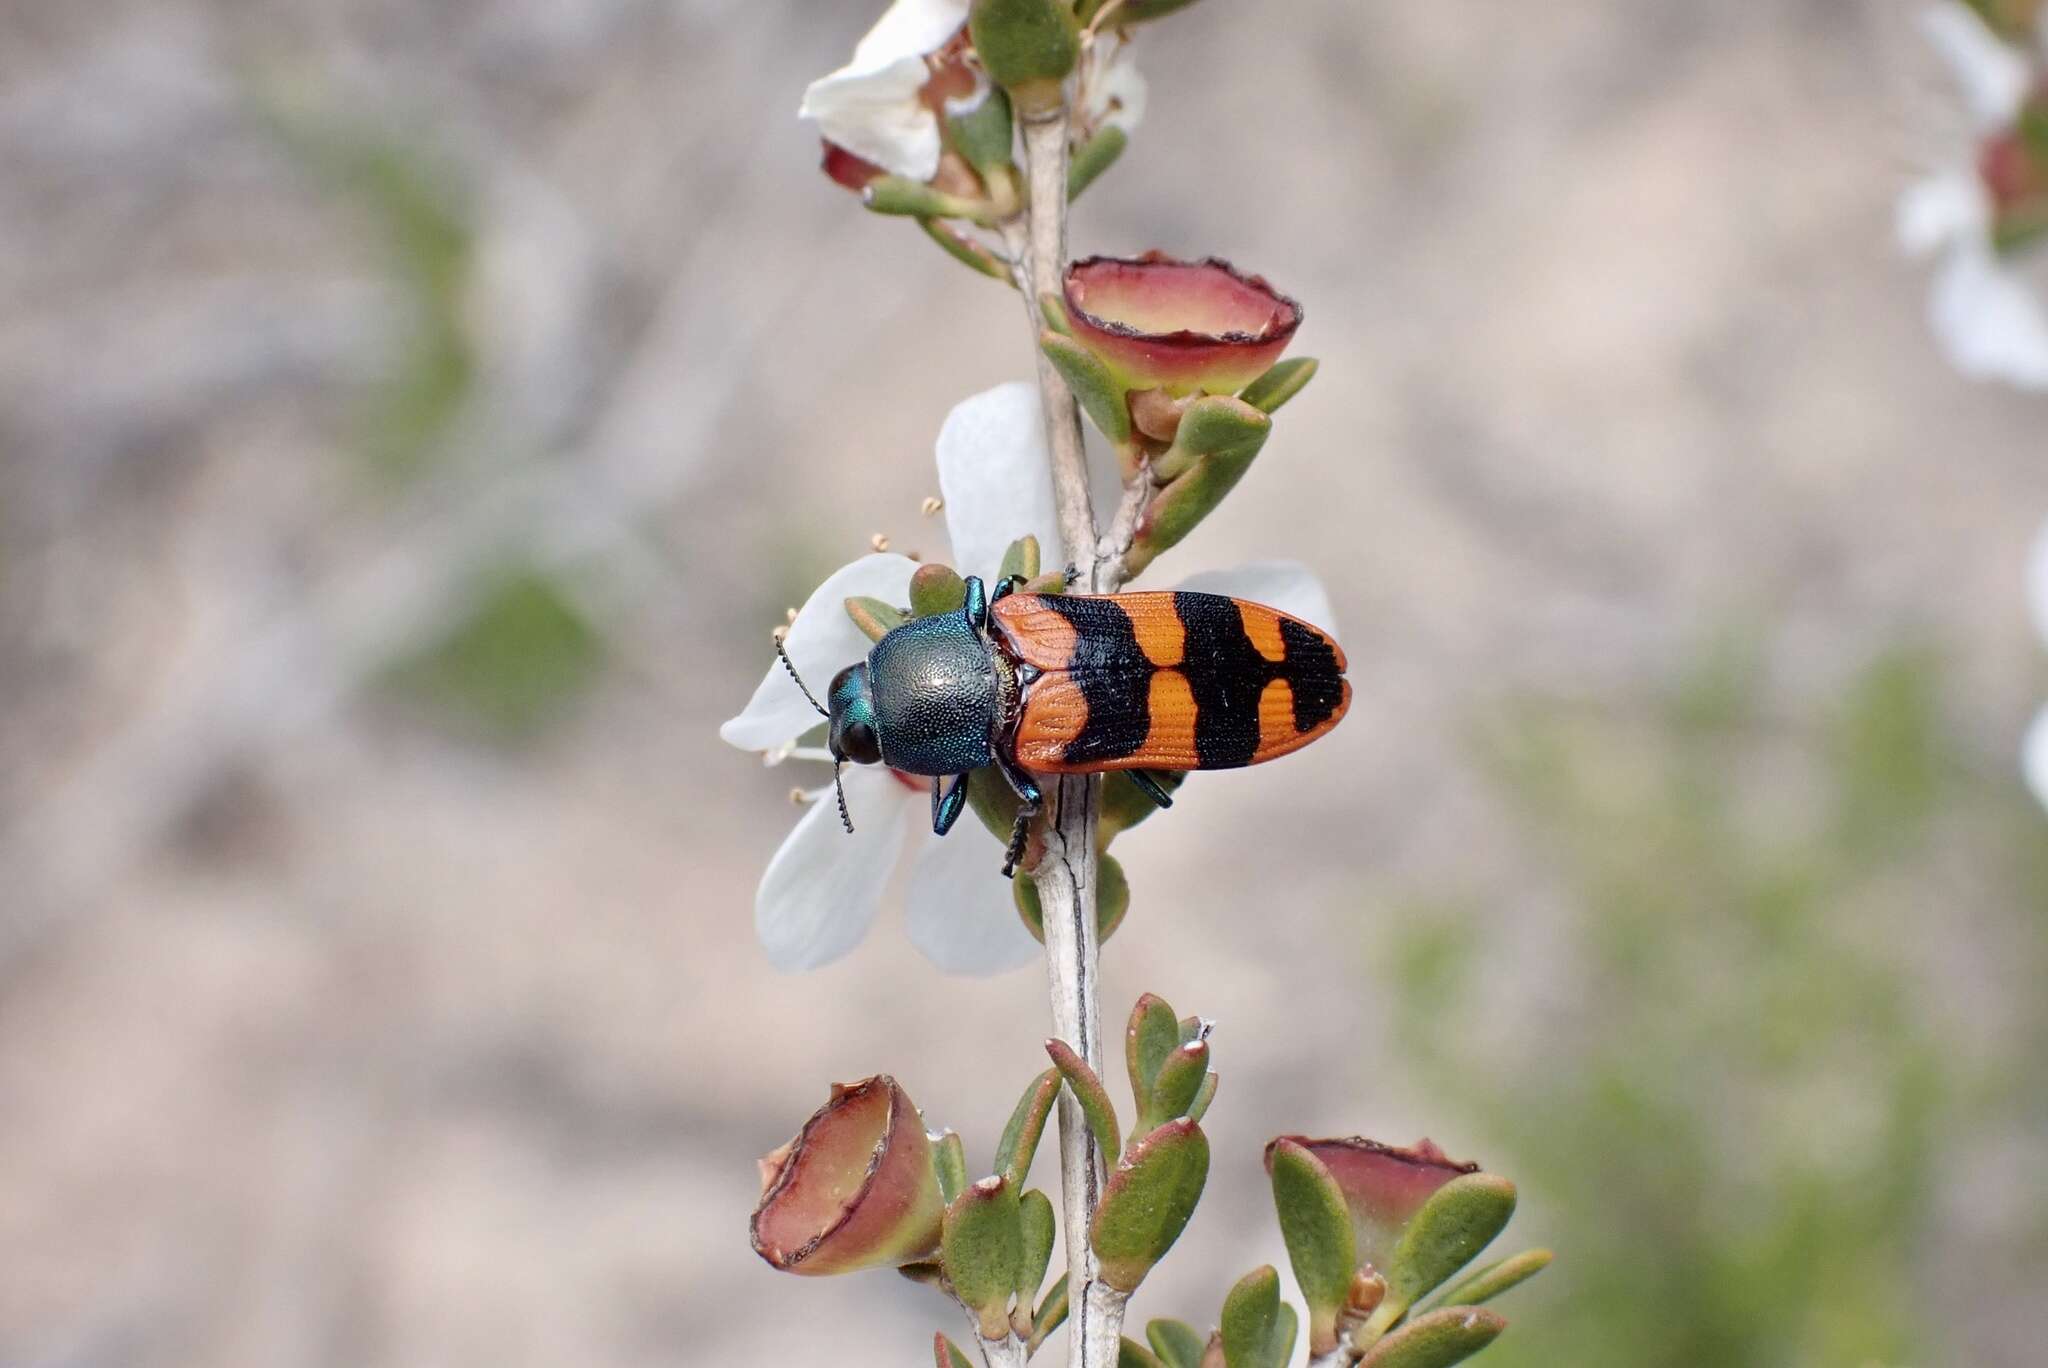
(1115, 676)
(1226, 674)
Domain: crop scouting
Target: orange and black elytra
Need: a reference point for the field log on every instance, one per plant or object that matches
(1078, 683)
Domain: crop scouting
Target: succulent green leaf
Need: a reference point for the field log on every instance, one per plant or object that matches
(1285, 1331)
(1054, 311)
(967, 251)
(1204, 1095)
(984, 135)
(1093, 1097)
(1094, 157)
(901, 196)
(982, 1248)
(1178, 1344)
(1020, 559)
(1131, 1354)
(1051, 1314)
(1218, 438)
(1152, 1035)
(1459, 1219)
(1124, 804)
(950, 1158)
(875, 618)
(946, 1354)
(1497, 1277)
(1251, 1320)
(1178, 1085)
(1026, 46)
(1019, 1144)
(1024, 893)
(1287, 379)
(1436, 1340)
(1112, 897)
(1316, 1226)
(1101, 397)
(936, 590)
(1148, 1200)
(1035, 1216)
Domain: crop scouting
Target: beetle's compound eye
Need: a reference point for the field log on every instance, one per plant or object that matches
(857, 740)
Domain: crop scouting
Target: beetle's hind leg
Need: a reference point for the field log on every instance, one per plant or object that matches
(1149, 785)
(1033, 798)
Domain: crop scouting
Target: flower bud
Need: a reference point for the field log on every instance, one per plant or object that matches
(1180, 326)
(857, 1188)
(1028, 47)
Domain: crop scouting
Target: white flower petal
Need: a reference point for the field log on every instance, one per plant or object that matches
(822, 889)
(2034, 756)
(910, 28)
(1941, 210)
(1112, 88)
(877, 114)
(1289, 586)
(2037, 582)
(1989, 324)
(960, 911)
(821, 642)
(995, 474)
(1992, 73)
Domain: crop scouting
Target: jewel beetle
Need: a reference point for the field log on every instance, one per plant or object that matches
(1079, 683)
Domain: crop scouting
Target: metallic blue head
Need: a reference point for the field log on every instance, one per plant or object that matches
(851, 707)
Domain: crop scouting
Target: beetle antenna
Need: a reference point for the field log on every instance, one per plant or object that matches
(840, 789)
(790, 666)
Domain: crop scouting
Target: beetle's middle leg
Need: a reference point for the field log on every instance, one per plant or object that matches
(1032, 797)
(948, 801)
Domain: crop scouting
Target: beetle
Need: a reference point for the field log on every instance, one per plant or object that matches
(1077, 684)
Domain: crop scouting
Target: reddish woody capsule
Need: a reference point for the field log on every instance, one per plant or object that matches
(857, 1188)
(1180, 326)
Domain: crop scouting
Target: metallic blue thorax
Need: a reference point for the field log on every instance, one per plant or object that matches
(935, 697)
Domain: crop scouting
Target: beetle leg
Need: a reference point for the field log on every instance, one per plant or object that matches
(947, 803)
(1150, 786)
(1073, 575)
(1007, 586)
(1032, 796)
(975, 610)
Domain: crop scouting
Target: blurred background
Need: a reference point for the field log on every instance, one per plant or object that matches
(413, 418)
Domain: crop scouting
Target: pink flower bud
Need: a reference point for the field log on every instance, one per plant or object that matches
(1384, 1186)
(857, 1188)
(1180, 326)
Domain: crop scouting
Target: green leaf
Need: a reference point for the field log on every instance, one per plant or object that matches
(965, 250)
(984, 135)
(950, 1158)
(1131, 1354)
(1287, 379)
(1021, 559)
(1148, 1201)
(1217, 441)
(1316, 1225)
(1251, 1319)
(1051, 1314)
(1459, 1219)
(1152, 1034)
(1093, 1097)
(945, 1354)
(1019, 1144)
(936, 590)
(1101, 397)
(996, 804)
(1094, 157)
(1035, 1216)
(1026, 46)
(1285, 1331)
(1436, 1340)
(1112, 897)
(875, 618)
(1204, 1095)
(1178, 1344)
(898, 195)
(1178, 1085)
(981, 1248)
(1497, 1277)
(1054, 310)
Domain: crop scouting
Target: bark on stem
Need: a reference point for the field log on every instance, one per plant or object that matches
(1066, 875)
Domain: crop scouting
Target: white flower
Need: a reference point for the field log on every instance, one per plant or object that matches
(1111, 89)
(874, 106)
(823, 888)
(2034, 749)
(1987, 316)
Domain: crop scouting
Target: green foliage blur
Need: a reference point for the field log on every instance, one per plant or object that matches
(1735, 1118)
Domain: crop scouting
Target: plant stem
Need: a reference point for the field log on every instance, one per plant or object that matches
(1066, 873)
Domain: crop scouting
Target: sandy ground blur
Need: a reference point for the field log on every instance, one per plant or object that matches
(329, 1037)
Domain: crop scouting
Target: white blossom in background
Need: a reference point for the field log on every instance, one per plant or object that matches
(824, 887)
(2034, 749)
(1988, 315)
(875, 106)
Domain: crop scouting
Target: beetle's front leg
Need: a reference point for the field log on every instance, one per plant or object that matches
(975, 609)
(948, 801)
(1032, 797)
(1007, 586)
